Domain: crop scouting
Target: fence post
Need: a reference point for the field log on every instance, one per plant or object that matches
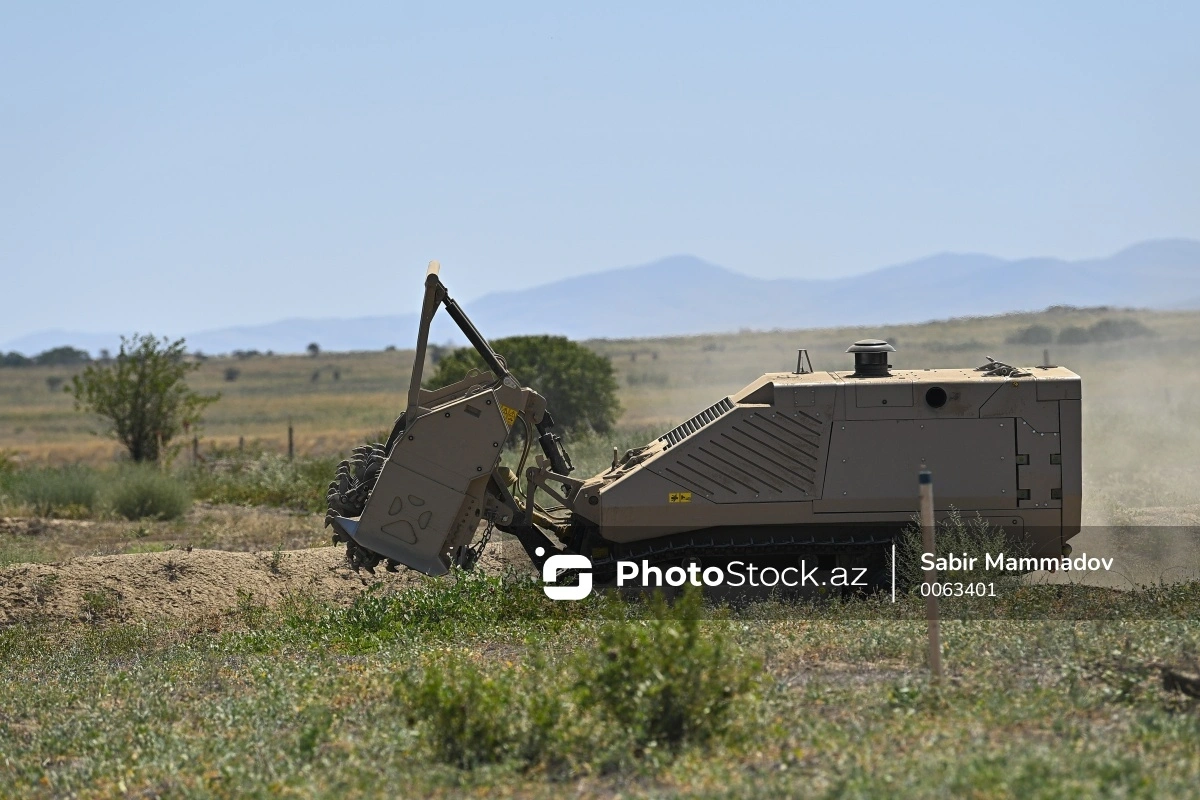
(929, 541)
(291, 442)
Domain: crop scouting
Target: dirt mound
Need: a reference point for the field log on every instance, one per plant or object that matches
(185, 584)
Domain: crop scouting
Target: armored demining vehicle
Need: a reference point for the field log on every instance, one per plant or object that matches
(801, 464)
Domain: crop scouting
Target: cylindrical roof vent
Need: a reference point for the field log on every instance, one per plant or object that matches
(871, 358)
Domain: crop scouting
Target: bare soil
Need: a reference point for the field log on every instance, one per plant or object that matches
(205, 525)
(184, 584)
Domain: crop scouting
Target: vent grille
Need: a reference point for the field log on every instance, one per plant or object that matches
(755, 457)
(677, 435)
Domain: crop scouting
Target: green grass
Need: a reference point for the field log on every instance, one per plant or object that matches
(21, 550)
(137, 492)
(130, 491)
(436, 694)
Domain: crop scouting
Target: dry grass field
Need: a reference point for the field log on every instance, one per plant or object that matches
(662, 380)
(1141, 398)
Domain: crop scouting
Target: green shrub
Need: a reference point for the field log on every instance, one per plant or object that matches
(973, 538)
(666, 681)
(468, 717)
(266, 479)
(144, 493)
(56, 491)
(645, 687)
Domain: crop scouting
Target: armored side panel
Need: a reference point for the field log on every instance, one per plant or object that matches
(840, 449)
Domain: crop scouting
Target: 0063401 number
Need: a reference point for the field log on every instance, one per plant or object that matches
(958, 589)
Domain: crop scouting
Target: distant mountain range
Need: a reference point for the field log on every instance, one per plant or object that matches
(685, 295)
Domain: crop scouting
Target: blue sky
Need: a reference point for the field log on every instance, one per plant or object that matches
(176, 167)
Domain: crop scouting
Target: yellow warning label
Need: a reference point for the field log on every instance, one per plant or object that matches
(679, 497)
(510, 415)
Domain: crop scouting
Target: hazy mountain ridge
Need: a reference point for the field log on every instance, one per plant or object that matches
(683, 295)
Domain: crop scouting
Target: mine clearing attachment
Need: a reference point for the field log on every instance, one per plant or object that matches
(802, 464)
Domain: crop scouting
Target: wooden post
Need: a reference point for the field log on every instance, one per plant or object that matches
(195, 450)
(241, 445)
(291, 442)
(929, 540)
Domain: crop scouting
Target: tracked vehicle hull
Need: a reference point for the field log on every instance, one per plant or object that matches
(821, 465)
(826, 461)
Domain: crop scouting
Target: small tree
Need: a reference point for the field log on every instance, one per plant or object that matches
(143, 394)
(62, 356)
(313, 349)
(578, 384)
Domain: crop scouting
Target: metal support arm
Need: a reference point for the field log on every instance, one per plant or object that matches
(435, 295)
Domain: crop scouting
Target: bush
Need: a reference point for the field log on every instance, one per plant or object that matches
(973, 537)
(578, 384)
(469, 717)
(670, 680)
(270, 480)
(143, 493)
(1111, 330)
(1074, 335)
(646, 687)
(57, 491)
(1034, 334)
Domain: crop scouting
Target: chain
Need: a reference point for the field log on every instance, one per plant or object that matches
(470, 555)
